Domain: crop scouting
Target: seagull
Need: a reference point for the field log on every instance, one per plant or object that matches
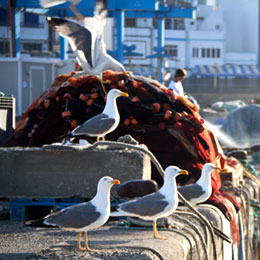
(85, 216)
(88, 46)
(51, 3)
(155, 205)
(103, 123)
(201, 190)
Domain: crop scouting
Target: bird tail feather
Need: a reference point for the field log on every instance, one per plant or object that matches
(116, 214)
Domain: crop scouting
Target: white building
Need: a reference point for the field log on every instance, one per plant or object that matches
(223, 32)
(241, 18)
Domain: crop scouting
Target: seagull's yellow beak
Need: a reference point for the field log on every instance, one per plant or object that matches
(217, 168)
(115, 181)
(124, 94)
(184, 172)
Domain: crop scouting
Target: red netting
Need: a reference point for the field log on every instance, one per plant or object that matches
(172, 128)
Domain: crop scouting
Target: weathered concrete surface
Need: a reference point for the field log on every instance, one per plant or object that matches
(60, 172)
(19, 242)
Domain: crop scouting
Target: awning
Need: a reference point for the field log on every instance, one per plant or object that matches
(247, 71)
(142, 70)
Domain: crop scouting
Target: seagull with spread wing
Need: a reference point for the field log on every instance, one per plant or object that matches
(88, 46)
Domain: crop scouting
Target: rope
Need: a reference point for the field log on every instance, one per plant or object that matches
(125, 224)
(246, 192)
(144, 223)
(198, 233)
(206, 222)
(198, 219)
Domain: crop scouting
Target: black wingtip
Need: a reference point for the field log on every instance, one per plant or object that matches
(35, 223)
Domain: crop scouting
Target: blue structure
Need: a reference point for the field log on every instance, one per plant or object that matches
(227, 71)
(119, 10)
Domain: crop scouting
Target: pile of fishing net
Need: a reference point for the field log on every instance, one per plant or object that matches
(171, 127)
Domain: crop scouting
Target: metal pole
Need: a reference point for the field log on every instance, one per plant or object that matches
(11, 29)
(161, 44)
(120, 16)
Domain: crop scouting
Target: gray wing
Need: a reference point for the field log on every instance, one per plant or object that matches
(192, 191)
(79, 36)
(149, 205)
(96, 125)
(76, 216)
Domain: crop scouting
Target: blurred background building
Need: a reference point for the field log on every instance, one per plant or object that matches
(215, 40)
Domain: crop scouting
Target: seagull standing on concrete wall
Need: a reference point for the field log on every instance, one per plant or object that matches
(155, 205)
(85, 216)
(88, 46)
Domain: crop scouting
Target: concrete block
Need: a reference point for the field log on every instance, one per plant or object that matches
(60, 172)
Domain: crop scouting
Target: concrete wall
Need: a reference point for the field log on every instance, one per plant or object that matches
(63, 173)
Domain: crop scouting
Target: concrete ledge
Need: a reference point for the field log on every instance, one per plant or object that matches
(115, 243)
(63, 172)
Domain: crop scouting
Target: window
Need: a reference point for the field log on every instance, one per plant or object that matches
(174, 24)
(207, 52)
(213, 53)
(130, 22)
(168, 24)
(28, 47)
(178, 24)
(195, 52)
(4, 47)
(203, 52)
(3, 17)
(31, 20)
(172, 50)
(218, 53)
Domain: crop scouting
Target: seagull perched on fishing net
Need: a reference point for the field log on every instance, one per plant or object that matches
(85, 216)
(155, 205)
(88, 45)
(103, 123)
(51, 3)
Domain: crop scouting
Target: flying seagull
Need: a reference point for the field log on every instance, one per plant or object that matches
(88, 46)
(85, 216)
(51, 3)
(155, 205)
(201, 190)
(103, 123)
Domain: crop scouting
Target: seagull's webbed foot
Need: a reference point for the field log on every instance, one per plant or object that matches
(156, 234)
(102, 82)
(126, 73)
(80, 248)
(86, 244)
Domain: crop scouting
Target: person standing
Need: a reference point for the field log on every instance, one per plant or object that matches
(176, 84)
